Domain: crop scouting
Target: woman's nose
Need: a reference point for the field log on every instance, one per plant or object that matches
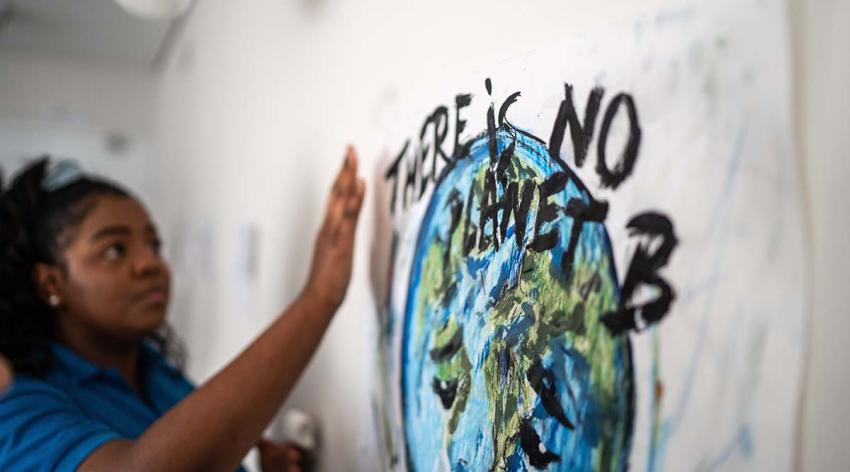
(148, 262)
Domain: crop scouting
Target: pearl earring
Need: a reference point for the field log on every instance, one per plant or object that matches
(53, 300)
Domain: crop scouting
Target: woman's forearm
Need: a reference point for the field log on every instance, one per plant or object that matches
(217, 424)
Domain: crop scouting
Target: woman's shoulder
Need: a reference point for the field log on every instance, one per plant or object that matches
(42, 428)
(30, 389)
(32, 400)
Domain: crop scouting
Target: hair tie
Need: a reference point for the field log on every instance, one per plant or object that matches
(61, 174)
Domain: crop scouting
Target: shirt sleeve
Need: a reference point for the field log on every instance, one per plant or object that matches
(42, 429)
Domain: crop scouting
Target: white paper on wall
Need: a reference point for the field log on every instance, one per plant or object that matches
(631, 296)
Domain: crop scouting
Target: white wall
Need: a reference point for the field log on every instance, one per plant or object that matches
(254, 110)
(822, 30)
(71, 108)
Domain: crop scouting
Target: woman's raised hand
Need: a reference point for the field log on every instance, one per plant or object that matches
(334, 250)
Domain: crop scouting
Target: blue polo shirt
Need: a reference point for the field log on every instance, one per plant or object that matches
(54, 423)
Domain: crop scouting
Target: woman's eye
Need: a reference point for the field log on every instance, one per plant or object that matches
(156, 246)
(114, 252)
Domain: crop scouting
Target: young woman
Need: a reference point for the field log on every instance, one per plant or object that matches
(83, 297)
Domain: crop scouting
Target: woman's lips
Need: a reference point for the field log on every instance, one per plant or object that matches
(155, 296)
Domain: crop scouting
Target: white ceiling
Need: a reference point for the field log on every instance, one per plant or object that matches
(94, 30)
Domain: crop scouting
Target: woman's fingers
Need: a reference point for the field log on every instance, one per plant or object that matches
(346, 207)
(332, 256)
(344, 187)
(341, 182)
(349, 170)
(347, 184)
(352, 211)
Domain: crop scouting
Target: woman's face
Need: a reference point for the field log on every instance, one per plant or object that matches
(116, 283)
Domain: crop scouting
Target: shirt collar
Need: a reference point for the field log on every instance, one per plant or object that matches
(72, 364)
(79, 369)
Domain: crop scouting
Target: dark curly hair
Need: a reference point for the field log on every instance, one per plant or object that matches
(35, 227)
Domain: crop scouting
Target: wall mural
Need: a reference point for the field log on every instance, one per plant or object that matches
(590, 257)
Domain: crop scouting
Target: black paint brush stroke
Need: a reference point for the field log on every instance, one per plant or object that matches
(542, 380)
(530, 443)
(643, 271)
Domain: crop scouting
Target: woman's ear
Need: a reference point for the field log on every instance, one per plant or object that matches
(49, 282)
